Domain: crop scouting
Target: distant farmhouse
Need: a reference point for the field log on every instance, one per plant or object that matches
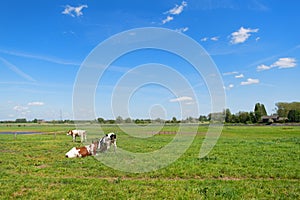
(273, 119)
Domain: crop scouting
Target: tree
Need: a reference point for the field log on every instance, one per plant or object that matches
(128, 120)
(174, 120)
(119, 120)
(244, 117)
(203, 118)
(294, 116)
(228, 116)
(283, 108)
(101, 120)
(259, 111)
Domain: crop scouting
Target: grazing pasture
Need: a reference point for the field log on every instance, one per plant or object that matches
(248, 162)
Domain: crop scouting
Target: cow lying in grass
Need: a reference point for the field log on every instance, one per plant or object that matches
(96, 146)
(84, 151)
(77, 133)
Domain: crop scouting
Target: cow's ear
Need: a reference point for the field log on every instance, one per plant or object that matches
(106, 135)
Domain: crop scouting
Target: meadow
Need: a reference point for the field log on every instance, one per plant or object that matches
(248, 162)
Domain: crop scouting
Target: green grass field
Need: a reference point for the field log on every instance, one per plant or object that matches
(248, 162)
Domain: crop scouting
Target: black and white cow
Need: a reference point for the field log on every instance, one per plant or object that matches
(107, 141)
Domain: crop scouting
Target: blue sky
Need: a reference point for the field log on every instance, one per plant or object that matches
(255, 45)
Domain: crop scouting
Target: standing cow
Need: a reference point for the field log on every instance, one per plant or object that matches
(77, 133)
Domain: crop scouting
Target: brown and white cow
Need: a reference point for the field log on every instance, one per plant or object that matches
(89, 150)
(77, 133)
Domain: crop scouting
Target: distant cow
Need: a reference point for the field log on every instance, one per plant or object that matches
(77, 133)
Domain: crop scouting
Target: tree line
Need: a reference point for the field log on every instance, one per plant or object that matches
(285, 112)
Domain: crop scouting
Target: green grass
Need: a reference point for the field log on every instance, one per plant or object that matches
(248, 162)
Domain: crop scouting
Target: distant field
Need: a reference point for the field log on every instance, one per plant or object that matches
(248, 162)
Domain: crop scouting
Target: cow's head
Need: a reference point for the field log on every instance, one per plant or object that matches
(73, 153)
(70, 132)
(112, 136)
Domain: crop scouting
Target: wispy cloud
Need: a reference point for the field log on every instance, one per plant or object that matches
(216, 38)
(205, 39)
(168, 19)
(239, 76)
(250, 81)
(16, 70)
(242, 35)
(36, 103)
(177, 9)
(39, 57)
(174, 11)
(74, 11)
(182, 30)
(229, 73)
(281, 63)
(20, 108)
(180, 99)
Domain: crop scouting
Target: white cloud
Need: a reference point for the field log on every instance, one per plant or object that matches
(285, 63)
(168, 19)
(72, 11)
(177, 9)
(36, 103)
(39, 57)
(20, 108)
(180, 99)
(239, 76)
(281, 63)
(230, 86)
(242, 35)
(250, 81)
(214, 38)
(16, 70)
(204, 39)
(230, 73)
(263, 67)
(174, 11)
(182, 30)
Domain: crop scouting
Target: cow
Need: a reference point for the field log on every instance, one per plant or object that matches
(88, 150)
(106, 141)
(77, 133)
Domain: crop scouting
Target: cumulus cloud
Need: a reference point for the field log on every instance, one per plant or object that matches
(285, 63)
(250, 81)
(242, 35)
(74, 11)
(239, 76)
(180, 99)
(36, 103)
(263, 67)
(281, 63)
(168, 19)
(177, 9)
